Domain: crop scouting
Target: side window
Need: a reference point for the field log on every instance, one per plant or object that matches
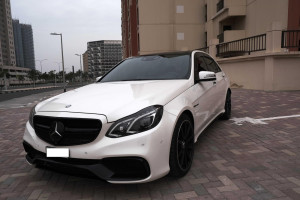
(199, 65)
(212, 65)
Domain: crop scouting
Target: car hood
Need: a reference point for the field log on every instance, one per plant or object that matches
(115, 100)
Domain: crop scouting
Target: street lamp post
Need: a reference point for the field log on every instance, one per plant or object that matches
(80, 68)
(62, 58)
(41, 64)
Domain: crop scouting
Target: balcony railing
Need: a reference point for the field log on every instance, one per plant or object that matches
(220, 5)
(242, 46)
(291, 39)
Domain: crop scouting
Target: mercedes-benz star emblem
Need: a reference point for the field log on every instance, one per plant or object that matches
(56, 131)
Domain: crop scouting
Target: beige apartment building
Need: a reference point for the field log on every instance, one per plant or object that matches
(7, 48)
(171, 25)
(259, 35)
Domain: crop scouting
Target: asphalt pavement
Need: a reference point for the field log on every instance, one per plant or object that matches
(30, 99)
(21, 92)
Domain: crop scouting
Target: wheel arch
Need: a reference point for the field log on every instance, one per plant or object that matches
(173, 163)
(189, 114)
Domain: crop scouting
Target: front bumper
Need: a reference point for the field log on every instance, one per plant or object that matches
(132, 159)
(111, 169)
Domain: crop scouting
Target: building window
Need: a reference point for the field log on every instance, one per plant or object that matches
(205, 12)
(220, 5)
(180, 9)
(180, 36)
(205, 39)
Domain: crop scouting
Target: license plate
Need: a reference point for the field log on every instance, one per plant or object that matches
(58, 152)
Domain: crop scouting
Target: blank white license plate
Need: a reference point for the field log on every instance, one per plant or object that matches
(58, 152)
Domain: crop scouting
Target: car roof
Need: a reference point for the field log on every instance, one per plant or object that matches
(169, 53)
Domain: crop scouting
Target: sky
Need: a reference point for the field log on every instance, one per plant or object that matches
(80, 21)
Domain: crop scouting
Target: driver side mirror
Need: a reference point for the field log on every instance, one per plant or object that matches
(207, 76)
(98, 78)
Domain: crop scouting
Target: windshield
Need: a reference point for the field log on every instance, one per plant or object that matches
(157, 67)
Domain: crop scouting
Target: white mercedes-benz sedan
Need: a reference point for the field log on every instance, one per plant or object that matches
(137, 123)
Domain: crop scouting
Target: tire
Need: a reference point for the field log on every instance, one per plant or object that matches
(38, 166)
(226, 115)
(182, 147)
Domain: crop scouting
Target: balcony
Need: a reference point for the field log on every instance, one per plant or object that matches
(230, 8)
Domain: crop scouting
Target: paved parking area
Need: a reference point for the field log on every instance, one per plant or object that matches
(245, 161)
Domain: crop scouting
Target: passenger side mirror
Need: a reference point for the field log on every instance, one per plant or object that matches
(207, 76)
(98, 78)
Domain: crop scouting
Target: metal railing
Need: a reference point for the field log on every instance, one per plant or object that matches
(242, 46)
(291, 39)
(220, 5)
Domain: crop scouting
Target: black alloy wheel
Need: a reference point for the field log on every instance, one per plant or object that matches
(182, 147)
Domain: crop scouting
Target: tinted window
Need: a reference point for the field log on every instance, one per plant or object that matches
(199, 65)
(158, 67)
(211, 64)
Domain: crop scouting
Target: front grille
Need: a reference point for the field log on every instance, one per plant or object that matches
(66, 131)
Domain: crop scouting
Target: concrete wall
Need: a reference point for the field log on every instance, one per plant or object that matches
(233, 35)
(193, 35)
(171, 25)
(269, 72)
(286, 73)
(244, 73)
(193, 12)
(156, 12)
(260, 13)
(156, 38)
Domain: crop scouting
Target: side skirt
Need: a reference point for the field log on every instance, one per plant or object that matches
(206, 126)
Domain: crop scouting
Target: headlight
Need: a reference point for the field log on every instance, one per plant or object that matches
(31, 115)
(136, 123)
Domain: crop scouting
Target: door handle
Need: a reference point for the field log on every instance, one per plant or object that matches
(214, 83)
